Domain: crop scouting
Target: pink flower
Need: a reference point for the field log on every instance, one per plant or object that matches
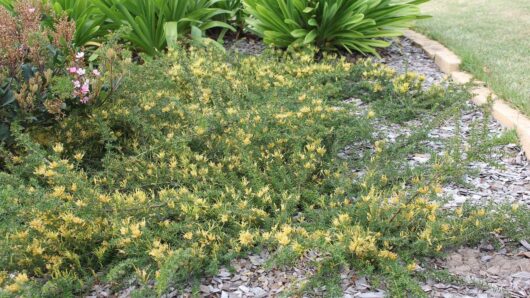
(81, 71)
(84, 100)
(86, 87)
(72, 69)
(96, 72)
(80, 55)
(77, 84)
(31, 10)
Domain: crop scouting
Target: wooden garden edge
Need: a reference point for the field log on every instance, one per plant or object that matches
(449, 63)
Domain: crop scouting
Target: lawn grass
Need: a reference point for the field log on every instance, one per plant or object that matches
(493, 39)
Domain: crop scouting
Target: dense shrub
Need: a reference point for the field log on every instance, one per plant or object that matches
(42, 76)
(353, 25)
(203, 156)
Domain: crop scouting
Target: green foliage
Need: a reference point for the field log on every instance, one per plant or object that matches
(237, 14)
(150, 21)
(353, 25)
(88, 19)
(7, 4)
(203, 156)
(41, 78)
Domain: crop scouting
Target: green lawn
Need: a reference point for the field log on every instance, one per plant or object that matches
(493, 39)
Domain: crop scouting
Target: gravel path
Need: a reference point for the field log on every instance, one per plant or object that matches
(488, 272)
(507, 181)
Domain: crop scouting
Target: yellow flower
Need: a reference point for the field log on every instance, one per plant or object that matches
(79, 156)
(13, 288)
(426, 235)
(412, 266)
(200, 130)
(386, 254)
(305, 110)
(37, 224)
(135, 231)
(58, 148)
(231, 111)
(297, 247)
(424, 190)
(283, 238)
(35, 248)
(302, 97)
(104, 198)
(188, 236)
(246, 238)
(431, 217)
(21, 278)
(341, 219)
(224, 218)
(246, 141)
(377, 87)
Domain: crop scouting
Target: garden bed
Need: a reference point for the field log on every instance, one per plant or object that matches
(153, 161)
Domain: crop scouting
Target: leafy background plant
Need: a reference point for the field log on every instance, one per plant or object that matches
(352, 25)
(89, 21)
(153, 22)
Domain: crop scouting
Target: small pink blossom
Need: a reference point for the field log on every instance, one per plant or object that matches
(31, 10)
(72, 70)
(80, 55)
(86, 88)
(77, 84)
(96, 73)
(84, 100)
(81, 71)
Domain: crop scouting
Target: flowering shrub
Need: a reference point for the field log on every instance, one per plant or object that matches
(38, 84)
(204, 156)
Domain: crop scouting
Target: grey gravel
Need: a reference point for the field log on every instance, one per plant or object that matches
(404, 56)
(505, 178)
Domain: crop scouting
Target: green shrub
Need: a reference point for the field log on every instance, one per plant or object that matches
(353, 25)
(42, 76)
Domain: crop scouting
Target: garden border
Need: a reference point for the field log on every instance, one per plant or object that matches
(449, 63)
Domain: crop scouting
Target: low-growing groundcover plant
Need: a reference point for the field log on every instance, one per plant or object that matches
(352, 25)
(203, 156)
